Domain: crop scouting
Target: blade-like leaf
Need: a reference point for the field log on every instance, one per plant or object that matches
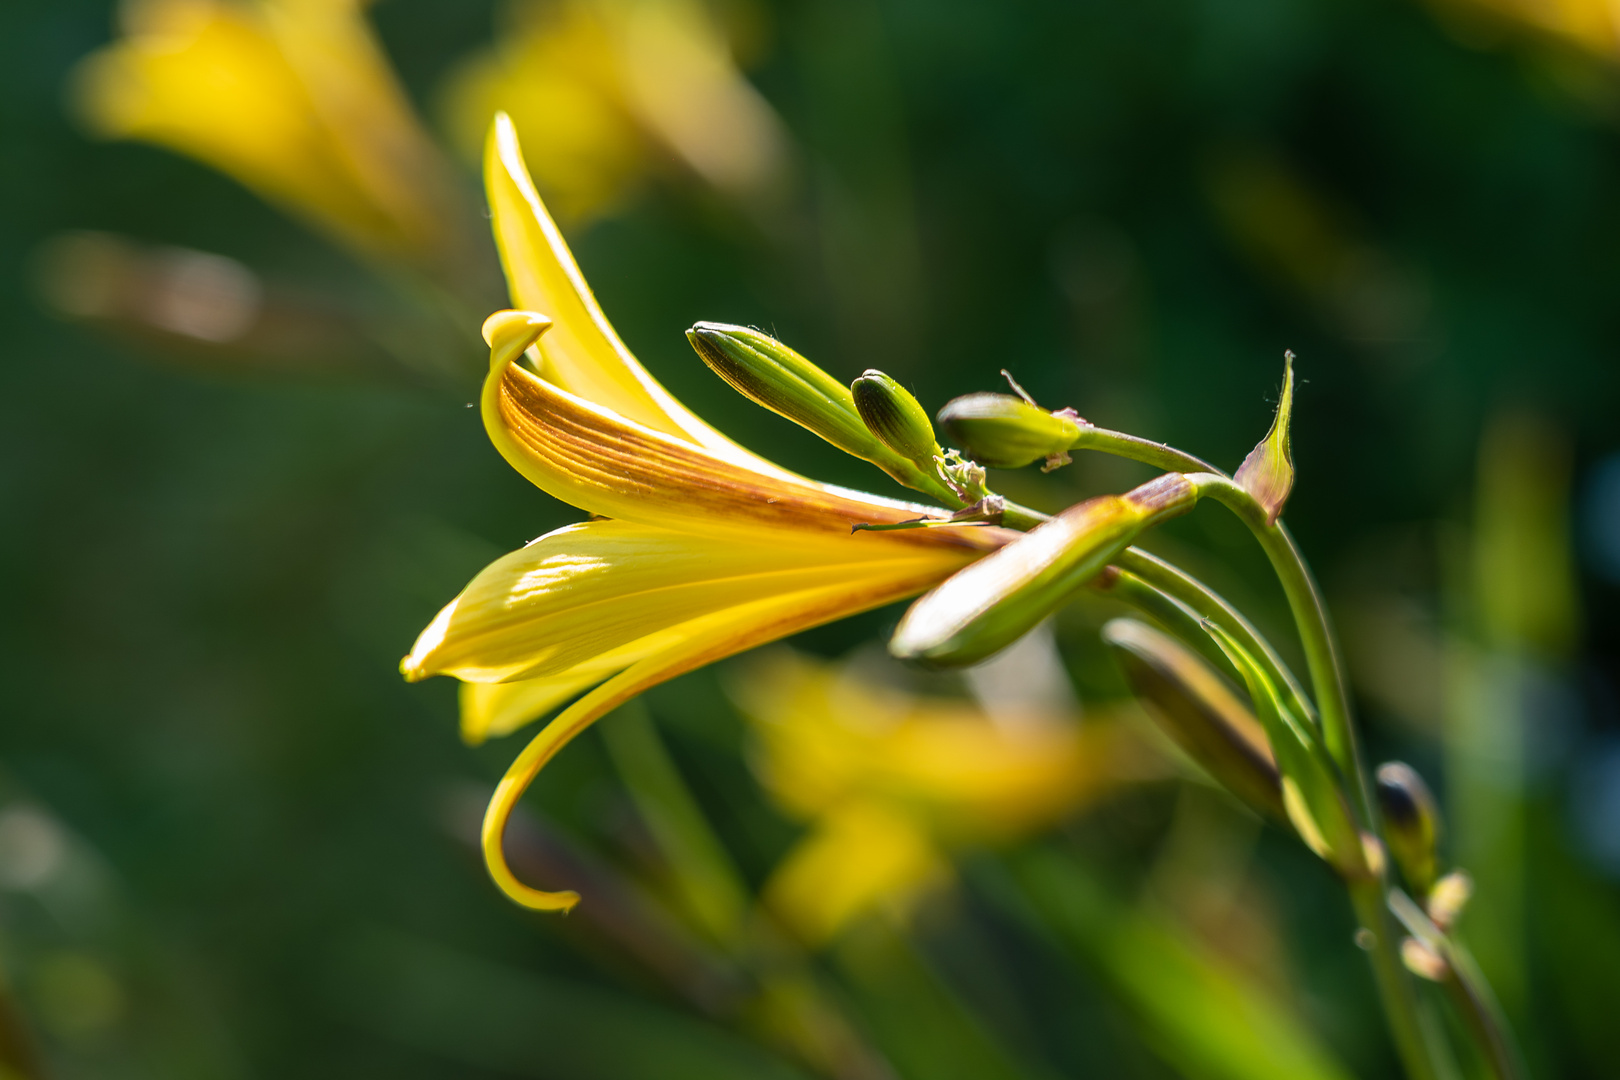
(1312, 793)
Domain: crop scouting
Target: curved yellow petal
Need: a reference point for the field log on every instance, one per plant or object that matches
(582, 354)
(703, 641)
(586, 589)
(602, 462)
(490, 710)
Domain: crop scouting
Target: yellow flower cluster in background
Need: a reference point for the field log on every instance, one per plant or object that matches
(296, 100)
(892, 783)
(613, 87)
(292, 98)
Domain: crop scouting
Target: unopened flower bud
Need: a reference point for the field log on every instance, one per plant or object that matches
(990, 604)
(890, 412)
(1268, 472)
(1007, 432)
(1199, 712)
(770, 374)
(1411, 822)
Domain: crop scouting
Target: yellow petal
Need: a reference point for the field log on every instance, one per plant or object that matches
(582, 354)
(828, 736)
(490, 710)
(590, 588)
(602, 462)
(862, 858)
(702, 641)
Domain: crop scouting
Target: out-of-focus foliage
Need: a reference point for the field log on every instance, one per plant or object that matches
(233, 844)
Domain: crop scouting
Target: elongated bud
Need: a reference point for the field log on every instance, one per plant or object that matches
(770, 374)
(890, 412)
(1268, 472)
(990, 604)
(1199, 712)
(1005, 432)
(1411, 823)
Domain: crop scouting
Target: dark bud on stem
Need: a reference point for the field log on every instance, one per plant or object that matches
(1411, 823)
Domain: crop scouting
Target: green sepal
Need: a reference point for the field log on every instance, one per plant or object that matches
(1268, 472)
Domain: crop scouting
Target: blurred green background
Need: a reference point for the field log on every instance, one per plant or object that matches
(234, 843)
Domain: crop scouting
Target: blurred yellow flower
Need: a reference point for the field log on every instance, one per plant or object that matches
(292, 98)
(611, 88)
(891, 783)
(1591, 25)
(699, 549)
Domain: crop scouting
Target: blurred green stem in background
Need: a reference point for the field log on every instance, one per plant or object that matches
(1511, 600)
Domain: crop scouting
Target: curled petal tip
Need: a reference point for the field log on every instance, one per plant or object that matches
(508, 333)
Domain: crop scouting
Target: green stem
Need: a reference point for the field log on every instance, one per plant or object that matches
(1315, 634)
(1395, 986)
(1205, 603)
(1472, 996)
(1401, 1007)
(1021, 518)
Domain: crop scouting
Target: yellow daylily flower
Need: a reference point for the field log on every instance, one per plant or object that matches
(1590, 25)
(292, 98)
(699, 549)
(611, 87)
(892, 783)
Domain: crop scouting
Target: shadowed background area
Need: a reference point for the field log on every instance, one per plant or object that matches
(239, 472)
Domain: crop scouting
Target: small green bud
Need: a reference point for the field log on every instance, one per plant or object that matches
(1411, 822)
(890, 412)
(1006, 432)
(1268, 472)
(1199, 712)
(984, 608)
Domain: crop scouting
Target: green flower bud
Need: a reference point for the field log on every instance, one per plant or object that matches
(1411, 823)
(1199, 711)
(890, 412)
(770, 374)
(984, 608)
(1006, 432)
